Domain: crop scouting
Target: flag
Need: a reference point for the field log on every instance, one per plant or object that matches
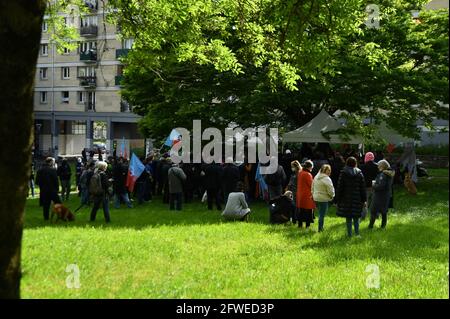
(263, 189)
(134, 171)
(173, 138)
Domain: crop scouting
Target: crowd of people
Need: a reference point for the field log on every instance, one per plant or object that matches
(304, 184)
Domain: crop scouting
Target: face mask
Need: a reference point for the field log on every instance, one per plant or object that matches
(293, 169)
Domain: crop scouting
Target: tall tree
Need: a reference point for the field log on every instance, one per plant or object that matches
(280, 62)
(20, 29)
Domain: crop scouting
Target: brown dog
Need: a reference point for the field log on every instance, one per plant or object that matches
(62, 212)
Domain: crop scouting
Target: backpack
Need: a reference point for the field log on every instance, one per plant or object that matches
(95, 185)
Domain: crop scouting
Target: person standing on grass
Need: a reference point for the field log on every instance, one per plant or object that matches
(47, 180)
(236, 207)
(31, 180)
(98, 188)
(275, 182)
(213, 182)
(382, 193)
(78, 171)
(231, 177)
(323, 192)
(84, 182)
(120, 172)
(305, 201)
(296, 168)
(370, 172)
(64, 172)
(176, 179)
(351, 195)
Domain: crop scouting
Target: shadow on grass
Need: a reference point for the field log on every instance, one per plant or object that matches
(415, 239)
(150, 214)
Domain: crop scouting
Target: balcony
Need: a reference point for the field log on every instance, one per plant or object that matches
(89, 31)
(88, 81)
(121, 52)
(125, 107)
(90, 56)
(89, 107)
(118, 79)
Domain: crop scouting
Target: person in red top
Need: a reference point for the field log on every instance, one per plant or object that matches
(304, 200)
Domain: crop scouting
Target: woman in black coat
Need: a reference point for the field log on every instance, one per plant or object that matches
(351, 195)
(382, 193)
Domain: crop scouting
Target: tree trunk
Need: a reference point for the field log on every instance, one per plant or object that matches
(20, 33)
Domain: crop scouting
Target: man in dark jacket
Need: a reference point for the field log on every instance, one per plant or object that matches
(64, 172)
(176, 178)
(188, 186)
(212, 183)
(165, 166)
(120, 172)
(351, 195)
(47, 179)
(231, 177)
(275, 183)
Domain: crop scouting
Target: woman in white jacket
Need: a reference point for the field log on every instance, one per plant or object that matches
(323, 192)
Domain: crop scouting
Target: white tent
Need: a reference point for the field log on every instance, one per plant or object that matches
(312, 131)
(391, 136)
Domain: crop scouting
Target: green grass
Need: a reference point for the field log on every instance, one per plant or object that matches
(151, 252)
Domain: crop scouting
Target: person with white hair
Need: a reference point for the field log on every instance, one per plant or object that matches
(99, 191)
(382, 193)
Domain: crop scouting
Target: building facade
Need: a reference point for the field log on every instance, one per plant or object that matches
(76, 90)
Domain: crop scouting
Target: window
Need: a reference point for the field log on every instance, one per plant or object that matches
(84, 71)
(127, 43)
(78, 127)
(65, 97)
(44, 49)
(66, 51)
(87, 46)
(120, 70)
(43, 97)
(44, 26)
(65, 72)
(43, 73)
(87, 21)
(81, 97)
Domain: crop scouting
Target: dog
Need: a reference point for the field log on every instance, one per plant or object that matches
(62, 212)
(409, 184)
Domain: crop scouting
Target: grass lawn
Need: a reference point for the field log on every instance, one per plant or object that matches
(151, 252)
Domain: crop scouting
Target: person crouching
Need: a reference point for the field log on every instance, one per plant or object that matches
(237, 207)
(282, 208)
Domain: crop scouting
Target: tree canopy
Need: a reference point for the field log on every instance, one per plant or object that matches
(279, 62)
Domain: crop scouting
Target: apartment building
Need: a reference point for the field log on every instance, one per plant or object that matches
(77, 99)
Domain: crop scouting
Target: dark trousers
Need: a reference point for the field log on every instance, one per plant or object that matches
(175, 199)
(306, 216)
(140, 192)
(46, 200)
(65, 188)
(103, 200)
(349, 225)
(213, 194)
(373, 217)
(166, 192)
